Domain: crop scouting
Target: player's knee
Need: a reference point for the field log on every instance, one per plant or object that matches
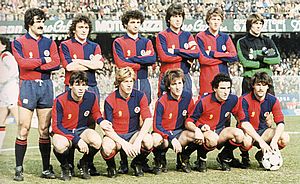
(284, 140)
(157, 140)
(238, 136)
(24, 131)
(148, 141)
(108, 147)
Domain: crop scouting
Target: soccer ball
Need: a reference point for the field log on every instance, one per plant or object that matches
(272, 160)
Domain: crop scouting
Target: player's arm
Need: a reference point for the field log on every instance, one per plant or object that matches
(54, 60)
(205, 58)
(66, 60)
(57, 126)
(9, 70)
(230, 55)
(272, 57)
(120, 59)
(25, 63)
(95, 63)
(157, 122)
(163, 51)
(192, 50)
(279, 120)
(246, 58)
(148, 57)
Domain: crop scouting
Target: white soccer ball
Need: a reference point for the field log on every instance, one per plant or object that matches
(272, 160)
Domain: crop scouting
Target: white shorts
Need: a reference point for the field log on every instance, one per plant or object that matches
(9, 93)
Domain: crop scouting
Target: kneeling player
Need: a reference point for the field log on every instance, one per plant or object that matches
(256, 107)
(70, 116)
(128, 110)
(170, 113)
(209, 119)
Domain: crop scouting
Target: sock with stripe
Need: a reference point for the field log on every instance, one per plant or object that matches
(20, 150)
(2, 135)
(45, 149)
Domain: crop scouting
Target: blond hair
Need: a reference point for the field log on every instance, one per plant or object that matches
(122, 74)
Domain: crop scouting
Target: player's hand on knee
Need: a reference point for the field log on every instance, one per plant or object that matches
(129, 149)
(176, 145)
(274, 145)
(83, 147)
(265, 147)
(137, 146)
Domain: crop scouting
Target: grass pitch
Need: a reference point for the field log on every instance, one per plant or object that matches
(288, 173)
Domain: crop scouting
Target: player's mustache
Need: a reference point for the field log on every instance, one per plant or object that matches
(41, 27)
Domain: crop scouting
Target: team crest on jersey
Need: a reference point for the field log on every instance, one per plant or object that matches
(266, 114)
(75, 56)
(224, 48)
(69, 116)
(211, 116)
(137, 109)
(143, 52)
(227, 114)
(170, 115)
(252, 114)
(86, 113)
(25, 101)
(46, 53)
(91, 56)
(186, 46)
(184, 112)
(30, 54)
(120, 113)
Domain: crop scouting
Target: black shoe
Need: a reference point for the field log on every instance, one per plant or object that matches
(48, 174)
(183, 164)
(258, 156)
(83, 170)
(65, 173)
(137, 169)
(146, 168)
(164, 167)
(92, 170)
(19, 174)
(235, 163)
(196, 165)
(123, 169)
(245, 162)
(72, 172)
(157, 166)
(201, 165)
(111, 172)
(224, 163)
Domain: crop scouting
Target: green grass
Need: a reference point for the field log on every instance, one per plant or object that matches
(288, 173)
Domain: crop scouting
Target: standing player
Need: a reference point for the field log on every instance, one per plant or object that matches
(216, 50)
(80, 54)
(256, 52)
(8, 86)
(36, 56)
(256, 106)
(137, 52)
(209, 119)
(176, 48)
(128, 110)
(171, 110)
(70, 113)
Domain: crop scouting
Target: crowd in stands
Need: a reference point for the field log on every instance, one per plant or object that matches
(153, 9)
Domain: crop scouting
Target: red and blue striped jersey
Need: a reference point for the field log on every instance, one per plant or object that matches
(137, 54)
(208, 110)
(72, 49)
(255, 111)
(184, 53)
(69, 115)
(222, 51)
(30, 53)
(170, 114)
(125, 113)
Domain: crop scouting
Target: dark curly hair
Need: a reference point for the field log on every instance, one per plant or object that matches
(77, 19)
(5, 41)
(132, 14)
(171, 75)
(221, 77)
(77, 76)
(30, 14)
